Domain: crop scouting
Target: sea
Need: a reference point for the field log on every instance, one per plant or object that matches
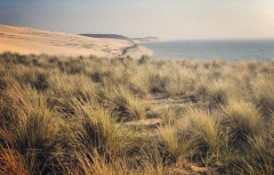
(262, 49)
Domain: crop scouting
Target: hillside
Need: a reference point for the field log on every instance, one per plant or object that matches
(32, 41)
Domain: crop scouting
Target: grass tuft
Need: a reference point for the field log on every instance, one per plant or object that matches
(89, 115)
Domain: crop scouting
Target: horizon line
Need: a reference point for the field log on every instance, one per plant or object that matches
(160, 40)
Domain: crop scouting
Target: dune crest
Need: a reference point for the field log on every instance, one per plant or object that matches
(28, 40)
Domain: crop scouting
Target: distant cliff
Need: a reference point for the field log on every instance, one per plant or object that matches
(112, 36)
(115, 36)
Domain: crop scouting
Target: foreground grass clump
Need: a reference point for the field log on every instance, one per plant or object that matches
(241, 121)
(87, 115)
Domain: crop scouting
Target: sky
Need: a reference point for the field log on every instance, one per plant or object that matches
(166, 19)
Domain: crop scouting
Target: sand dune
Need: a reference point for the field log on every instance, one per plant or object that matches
(27, 40)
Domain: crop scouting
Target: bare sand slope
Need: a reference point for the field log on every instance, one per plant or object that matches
(27, 40)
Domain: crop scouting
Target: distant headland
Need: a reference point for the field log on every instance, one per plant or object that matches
(121, 37)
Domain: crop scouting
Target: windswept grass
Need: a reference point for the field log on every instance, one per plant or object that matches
(200, 129)
(241, 121)
(88, 115)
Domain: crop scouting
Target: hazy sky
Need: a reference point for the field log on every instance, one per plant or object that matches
(167, 19)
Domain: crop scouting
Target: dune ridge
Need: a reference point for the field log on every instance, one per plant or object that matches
(25, 40)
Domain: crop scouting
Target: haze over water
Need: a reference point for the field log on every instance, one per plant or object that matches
(209, 49)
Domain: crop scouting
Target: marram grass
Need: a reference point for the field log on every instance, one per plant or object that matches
(88, 115)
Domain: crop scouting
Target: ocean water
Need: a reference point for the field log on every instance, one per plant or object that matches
(210, 49)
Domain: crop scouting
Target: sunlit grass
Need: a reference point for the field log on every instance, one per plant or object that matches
(88, 115)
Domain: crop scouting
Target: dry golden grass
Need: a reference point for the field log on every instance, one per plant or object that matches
(88, 115)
